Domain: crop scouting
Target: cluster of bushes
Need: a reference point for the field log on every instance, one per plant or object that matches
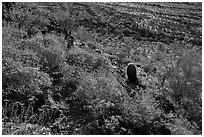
(185, 83)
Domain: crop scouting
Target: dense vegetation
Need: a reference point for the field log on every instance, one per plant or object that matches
(50, 86)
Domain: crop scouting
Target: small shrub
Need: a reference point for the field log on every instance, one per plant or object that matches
(84, 35)
(26, 79)
(185, 82)
(24, 129)
(90, 62)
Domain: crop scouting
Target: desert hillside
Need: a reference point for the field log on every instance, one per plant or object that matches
(64, 68)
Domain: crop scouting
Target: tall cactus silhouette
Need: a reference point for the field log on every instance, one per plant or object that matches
(131, 72)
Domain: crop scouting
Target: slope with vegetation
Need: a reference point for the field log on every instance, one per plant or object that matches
(49, 87)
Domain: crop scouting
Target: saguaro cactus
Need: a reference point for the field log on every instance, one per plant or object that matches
(132, 73)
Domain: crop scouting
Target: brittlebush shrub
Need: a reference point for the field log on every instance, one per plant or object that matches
(26, 79)
(84, 35)
(27, 62)
(102, 96)
(185, 82)
(100, 89)
(90, 62)
(90, 71)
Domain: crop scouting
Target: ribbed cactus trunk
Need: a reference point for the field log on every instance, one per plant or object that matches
(132, 73)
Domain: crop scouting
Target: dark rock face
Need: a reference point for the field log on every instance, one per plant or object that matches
(132, 73)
